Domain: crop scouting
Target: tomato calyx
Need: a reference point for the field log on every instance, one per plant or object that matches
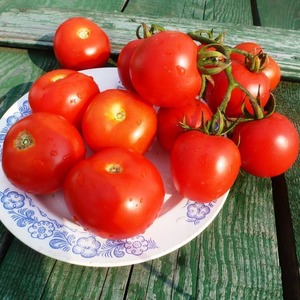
(113, 168)
(24, 140)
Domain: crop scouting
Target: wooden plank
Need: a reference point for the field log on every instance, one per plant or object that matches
(103, 5)
(24, 273)
(215, 11)
(239, 261)
(284, 15)
(35, 29)
(288, 95)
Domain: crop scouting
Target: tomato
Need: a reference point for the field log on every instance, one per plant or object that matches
(38, 152)
(63, 92)
(79, 44)
(268, 146)
(253, 82)
(169, 118)
(271, 69)
(124, 63)
(116, 193)
(119, 118)
(204, 167)
(164, 69)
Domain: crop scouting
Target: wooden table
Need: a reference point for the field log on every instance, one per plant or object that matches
(250, 250)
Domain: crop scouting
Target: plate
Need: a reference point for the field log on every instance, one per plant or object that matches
(44, 224)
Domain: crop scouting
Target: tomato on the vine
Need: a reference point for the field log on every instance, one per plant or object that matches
(123, 63)
(38, 152)
(119, 118)
(80, 43)
(256, 83)
(164, 69)
(116, 193)
(204, 167)
(169, 121)
(63, 92)
(268, 146)
(270, 68)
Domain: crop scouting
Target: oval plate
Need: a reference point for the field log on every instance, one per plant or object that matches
(44, 224)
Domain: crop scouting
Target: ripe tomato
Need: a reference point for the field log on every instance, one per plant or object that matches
(79, 44)
(122, 191)
(38, 152)
(271, 69)
(63, 92)
(169, 118)
(119, 118)
(268, 146)
(253, 82)
(204, 167)
(164, 69)
(124, 63)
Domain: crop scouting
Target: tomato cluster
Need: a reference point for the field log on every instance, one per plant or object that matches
(207, 104)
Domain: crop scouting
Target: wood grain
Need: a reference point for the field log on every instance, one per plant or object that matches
(35, 29)
(278, 14)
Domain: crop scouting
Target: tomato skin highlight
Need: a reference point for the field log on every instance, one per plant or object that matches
(119, 118)
(79, 44)
(63, 92)
(253, 82)
(204, 167)
(164, 69)
(38, 152)
(116, 193)
(169, 118)
(268, 146)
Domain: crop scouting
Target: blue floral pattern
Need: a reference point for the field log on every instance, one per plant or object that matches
(196, 211)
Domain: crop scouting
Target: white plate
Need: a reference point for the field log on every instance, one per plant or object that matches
(44, 224)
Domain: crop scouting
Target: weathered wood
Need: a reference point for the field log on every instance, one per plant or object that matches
(220, 11)
(79, 5)
(279, 14)
(288, 95)
(35, 29)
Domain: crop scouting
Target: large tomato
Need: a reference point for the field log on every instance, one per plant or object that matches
(79, 44)
(116, 193)
(63, 92)
(255, 83)
(270, 68)
(38, 152)
(123, 63)
(268, 146)
(169, 118)
(204, 167)
(164, 69)
(119, 118)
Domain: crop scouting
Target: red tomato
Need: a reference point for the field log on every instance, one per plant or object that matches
(253, 82)
(164, 69)
(79, 44)
(268, 146)
(169, 118)
(124, 63)
(204, 167)
(119, 118)
(38, 152)
(122, 191)
(271, 69)
(63, 92)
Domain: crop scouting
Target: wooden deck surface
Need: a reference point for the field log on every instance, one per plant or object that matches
(237, 256)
